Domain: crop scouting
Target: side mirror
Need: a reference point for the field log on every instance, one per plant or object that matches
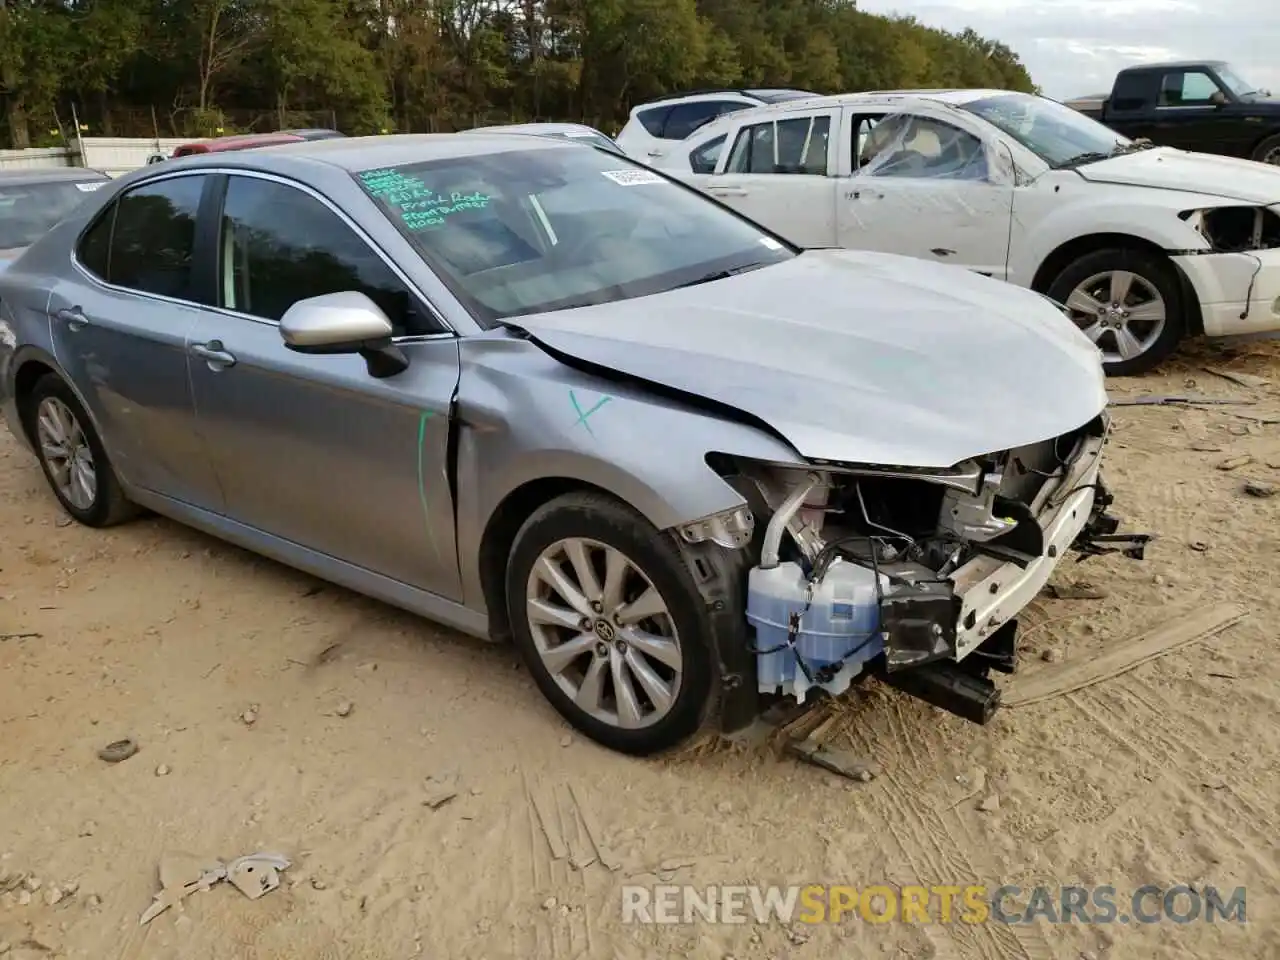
(344, 323)
(1218, 98)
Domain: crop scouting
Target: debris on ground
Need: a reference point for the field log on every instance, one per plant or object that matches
(19, 636)
(990, 805)
(440, 790)
(250, 715)
(1242, 379)
(1123, 657)
(594, 835)
(344, 708)
(162, 770)
(182, 874)
(1236, 462)
(1052, 655)
(118, 750)
(1185, 401)
(1260, 488)
(833, 759)
(550, 827)
(1080, 590)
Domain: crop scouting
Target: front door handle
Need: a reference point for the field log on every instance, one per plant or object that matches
(726, 191)
(214, 354)
(73, 317)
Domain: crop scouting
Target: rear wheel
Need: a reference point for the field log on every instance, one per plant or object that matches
(1128, 302)
(610, 623)
(1268, 151)
(72, 456)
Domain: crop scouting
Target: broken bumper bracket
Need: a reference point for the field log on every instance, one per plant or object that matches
(1098, 537)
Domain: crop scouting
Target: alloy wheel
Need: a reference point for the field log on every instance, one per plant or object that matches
(64, 447)
(1120, 311)
(604, 633)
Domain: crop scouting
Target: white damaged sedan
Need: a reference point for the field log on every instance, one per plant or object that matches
(1144, 245)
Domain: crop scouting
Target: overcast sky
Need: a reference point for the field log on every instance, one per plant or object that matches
(1075, 47)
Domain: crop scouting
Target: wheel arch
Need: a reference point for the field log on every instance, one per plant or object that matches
(30, 370)
(1059, 258)
(499, 536)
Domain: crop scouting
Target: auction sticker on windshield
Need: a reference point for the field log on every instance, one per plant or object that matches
(632, 178)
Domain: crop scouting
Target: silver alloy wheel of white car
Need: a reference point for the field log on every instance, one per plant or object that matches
(1120, 311)
(604, 633)
(64, 447)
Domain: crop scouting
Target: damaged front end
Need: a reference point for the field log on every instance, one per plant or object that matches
(916, 576)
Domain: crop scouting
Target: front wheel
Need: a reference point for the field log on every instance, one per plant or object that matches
(1128, 302)
(1268, 151)
(610, 624)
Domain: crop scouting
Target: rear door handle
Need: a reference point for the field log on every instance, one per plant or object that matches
(726, 191)
(73, 317)
(213, 354)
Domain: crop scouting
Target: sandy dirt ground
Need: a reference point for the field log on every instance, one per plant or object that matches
(1168, 774)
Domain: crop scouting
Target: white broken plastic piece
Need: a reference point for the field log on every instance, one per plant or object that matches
(256, 874)
(182, 874)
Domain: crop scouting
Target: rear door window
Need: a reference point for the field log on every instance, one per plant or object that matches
(794, 145)
(153, 236)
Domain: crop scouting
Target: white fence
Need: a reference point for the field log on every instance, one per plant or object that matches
(112, 155)
(38, 159)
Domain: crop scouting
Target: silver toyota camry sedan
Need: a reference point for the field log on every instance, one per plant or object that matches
(541, 393)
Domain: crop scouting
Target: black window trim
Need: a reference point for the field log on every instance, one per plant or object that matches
(208, 226)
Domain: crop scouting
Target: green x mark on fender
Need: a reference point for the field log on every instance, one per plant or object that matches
(582, 417)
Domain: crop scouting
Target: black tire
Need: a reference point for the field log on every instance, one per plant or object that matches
(1155, 270)
(109, 506)
(602, 519)
(1268, 151)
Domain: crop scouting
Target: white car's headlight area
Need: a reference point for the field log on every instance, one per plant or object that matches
(1236, 229)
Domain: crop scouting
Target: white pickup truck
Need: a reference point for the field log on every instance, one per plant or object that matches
(1143, 245)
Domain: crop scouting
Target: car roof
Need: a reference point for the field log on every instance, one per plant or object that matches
(763, 94)
(1174, 65)
(549, 127)
(23, 177)
(940, 95)
(355, 154)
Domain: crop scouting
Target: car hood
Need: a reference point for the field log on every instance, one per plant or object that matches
(854, 357)
(1203, 173)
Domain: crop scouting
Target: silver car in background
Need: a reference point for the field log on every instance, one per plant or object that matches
(32, 201)
(544, 393)
(573, 132)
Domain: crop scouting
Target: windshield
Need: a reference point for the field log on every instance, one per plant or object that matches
(1055, 133)
(1241, 88)
(30, 210)
(526, 231)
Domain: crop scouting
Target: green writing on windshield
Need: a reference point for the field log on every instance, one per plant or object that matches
(417, 205)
